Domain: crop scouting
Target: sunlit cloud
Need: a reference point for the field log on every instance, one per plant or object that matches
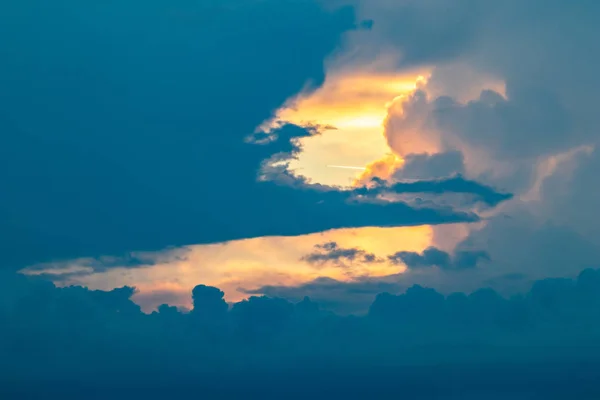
(382, 168)
(353, 104)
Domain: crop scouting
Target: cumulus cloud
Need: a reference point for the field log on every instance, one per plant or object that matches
(433, 257)
(331, 252)
(54, 336)
(539, 114)
(511, 90)
(522, 131)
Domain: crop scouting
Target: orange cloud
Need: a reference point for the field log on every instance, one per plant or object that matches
(383, 168)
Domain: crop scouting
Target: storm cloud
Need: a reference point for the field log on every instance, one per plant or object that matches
(124, 127)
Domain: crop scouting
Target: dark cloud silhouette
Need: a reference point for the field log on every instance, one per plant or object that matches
(52, 337)
(345, 298)
(124, 127)
(453, 185)
(208, 302)
(433, 257)
(430, 257)
(331, 252)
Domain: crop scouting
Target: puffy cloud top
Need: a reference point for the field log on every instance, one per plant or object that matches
(102, 340)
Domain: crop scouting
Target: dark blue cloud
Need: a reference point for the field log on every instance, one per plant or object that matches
(430, 257)
(331, 252)
(85, 343)
(457, 184)
(345, 298)
(123, 126)
(433, 257)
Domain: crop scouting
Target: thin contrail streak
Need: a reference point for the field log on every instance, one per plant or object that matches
(346, 167)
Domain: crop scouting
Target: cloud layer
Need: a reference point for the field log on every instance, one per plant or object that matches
(102, 340)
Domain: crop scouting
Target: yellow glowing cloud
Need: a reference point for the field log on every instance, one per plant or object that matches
(355, 103)
(383, 168)
(350, 100)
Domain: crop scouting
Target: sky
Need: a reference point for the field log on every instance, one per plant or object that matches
(334, 149)
(142, 142)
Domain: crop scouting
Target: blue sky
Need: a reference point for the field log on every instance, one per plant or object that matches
(161, 145)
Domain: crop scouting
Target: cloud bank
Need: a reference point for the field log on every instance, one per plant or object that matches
(102, 341)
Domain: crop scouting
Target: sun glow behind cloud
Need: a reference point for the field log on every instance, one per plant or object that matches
(354, 103)
(249, 264)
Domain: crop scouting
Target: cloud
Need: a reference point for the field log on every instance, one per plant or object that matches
(454, 185)
(413, 167)
(525, 244)
(538, 113)
(431, 166)
(574, 197)
(419, 33)
(482, 138)
(343, 297)
(142, 116)
(432, 257)
(514, 97)
(331, 252)
(124, 129)
(121, 136)
(102, 264)
(501, 125)
(102, 339)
